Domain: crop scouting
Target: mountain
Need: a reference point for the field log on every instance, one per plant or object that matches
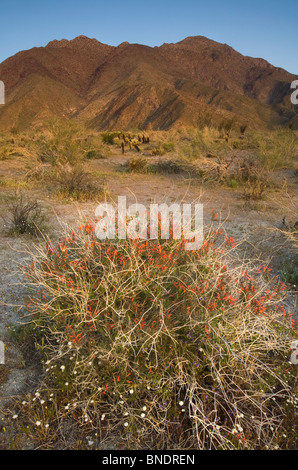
(194, 82)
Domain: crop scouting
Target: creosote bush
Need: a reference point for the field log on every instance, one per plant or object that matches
(162, 347)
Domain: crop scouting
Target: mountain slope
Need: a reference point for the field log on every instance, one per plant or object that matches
(194, 82)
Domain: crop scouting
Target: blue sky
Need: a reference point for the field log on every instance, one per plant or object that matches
(258, 28)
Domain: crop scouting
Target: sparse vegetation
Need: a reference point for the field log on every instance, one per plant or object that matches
(277, 149)
(24, 216)
(68, 143)
(169, 146)
(78, 184)
(289, 271)
(138, 165)
(145, 345)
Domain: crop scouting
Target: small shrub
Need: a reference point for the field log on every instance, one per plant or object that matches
(233, 184)
(254, 190)
(67, 143)
(157, 151)
(289, 271)
(108, 137)
(169, 146)
(94, 154)
(60, 145)
(24, 216)
(76, 183)
(167, 166)
(138, 165)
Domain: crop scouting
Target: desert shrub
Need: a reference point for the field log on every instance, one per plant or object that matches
(169, 146)
(67, 142)
(5, 153)
(203, 142)
(168, 166)
(157, 151)
(245, 171)
(108, 137)
(76, 183)
(277, 149)
(24, 216)
(39, 173)
(176, 167)
(233, 183)
(138, 165)
(162, 347)
(289, 271)
(227, 125)
(14, 147)
(241, 144)
(254, 190)
(59, 145)
(93, 154)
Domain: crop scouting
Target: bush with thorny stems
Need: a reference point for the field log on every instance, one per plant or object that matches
(168, 347)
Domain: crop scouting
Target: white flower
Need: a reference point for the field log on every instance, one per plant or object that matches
(126, 424)
(143, 415)
(131, 391)
(42, 402)
(103, 417)
(47, 425)
(38, 423)
(14, 416)
(181, 403)
(62, 368)
(66, 383)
